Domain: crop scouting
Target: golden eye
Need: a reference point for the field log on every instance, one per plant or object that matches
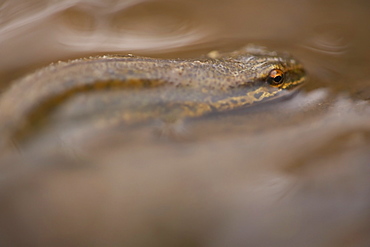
(275, 77)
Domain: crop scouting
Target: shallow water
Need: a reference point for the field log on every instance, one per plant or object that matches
(286, 173)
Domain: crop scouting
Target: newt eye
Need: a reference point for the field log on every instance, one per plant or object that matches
(275, 77)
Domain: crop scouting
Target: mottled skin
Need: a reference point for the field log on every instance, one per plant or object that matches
(130, 89)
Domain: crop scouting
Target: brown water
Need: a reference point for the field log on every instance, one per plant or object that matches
(289, 173)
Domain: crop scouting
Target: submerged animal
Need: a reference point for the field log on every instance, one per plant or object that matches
(128, 89)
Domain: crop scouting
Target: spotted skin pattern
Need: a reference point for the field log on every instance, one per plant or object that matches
(147, 88)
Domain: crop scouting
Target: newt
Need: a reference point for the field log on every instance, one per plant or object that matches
(147, 88)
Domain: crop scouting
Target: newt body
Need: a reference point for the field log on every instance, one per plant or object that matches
(131, 89)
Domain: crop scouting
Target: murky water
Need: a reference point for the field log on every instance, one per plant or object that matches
(287, 173)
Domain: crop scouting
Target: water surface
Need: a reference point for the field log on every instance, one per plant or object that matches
(286, 173)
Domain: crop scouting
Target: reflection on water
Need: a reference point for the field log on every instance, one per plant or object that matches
(132, 25)
(66, 28)
(286, 173)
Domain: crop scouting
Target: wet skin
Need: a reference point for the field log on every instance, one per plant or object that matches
(129, 89)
